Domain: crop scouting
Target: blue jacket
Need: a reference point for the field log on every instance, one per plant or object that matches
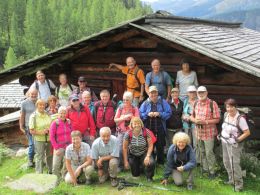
(172, 157)
(162, 107)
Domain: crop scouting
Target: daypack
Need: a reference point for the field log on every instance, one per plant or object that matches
(144, 131)
(161, 80)
(58, 89)
(120, 108)
(246, 113)
(136, 78)
(48, 83)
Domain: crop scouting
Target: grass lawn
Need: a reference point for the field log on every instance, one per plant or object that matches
(11, 168)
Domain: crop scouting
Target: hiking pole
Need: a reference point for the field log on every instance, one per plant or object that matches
(232, 167)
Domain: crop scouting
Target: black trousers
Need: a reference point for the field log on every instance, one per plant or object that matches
(137, 165)
(159, 145)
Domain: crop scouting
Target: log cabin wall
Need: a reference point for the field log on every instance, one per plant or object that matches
(221, 80)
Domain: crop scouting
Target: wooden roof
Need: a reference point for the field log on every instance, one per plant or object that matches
(228, 43)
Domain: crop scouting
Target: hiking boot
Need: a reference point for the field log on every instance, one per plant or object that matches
(30, 164)
(149, 180)
(189, 187)
(114, 182)
(212, 176)
(88, 182)
(228, 182)
(102, 179)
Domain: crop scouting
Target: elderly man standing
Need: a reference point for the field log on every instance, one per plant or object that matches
(82, 82)
(43, 85)
(78, 160)
(105, 153)
(154, 112)
(160, 79)
(135, 78)
(206, 115)
(27, 108)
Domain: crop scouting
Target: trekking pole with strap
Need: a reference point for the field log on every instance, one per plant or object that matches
(123, 184)
(232, 167)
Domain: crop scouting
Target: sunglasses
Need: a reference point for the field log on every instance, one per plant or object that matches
(75, 100)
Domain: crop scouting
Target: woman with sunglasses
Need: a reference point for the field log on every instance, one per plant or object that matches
(125, 112)
(180, 159)
(52, 108)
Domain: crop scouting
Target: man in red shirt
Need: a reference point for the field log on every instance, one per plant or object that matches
(81, 119)
(206, 115)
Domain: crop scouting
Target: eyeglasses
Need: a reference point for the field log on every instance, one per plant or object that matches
(126, 100)
(82, 81)
(75, 100)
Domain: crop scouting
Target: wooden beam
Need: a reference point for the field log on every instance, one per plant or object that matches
(138, 42)
(105, 42)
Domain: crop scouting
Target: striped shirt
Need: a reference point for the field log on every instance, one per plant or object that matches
(138, 145)
(203, 111)
(77, 158)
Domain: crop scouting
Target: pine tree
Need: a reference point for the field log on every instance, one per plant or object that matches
(10, 59)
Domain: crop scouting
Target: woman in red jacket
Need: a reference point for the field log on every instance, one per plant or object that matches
(81, 119)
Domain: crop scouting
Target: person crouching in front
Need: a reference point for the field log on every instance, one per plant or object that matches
(78, 160)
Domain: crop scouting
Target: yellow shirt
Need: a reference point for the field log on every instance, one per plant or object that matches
(40, 122)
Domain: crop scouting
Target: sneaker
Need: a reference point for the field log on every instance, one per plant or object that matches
(212, 176)
(238, 189)
(114, 182)
(189, 187)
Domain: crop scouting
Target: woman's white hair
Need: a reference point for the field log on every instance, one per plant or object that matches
(181, 136)
(62, 108)
(128, 95)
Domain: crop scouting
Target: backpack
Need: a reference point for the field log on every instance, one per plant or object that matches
(57, 125)
(58, 90)
(144, 131)
(48, 83)
(161, 80)
(246, 113)
(136, 78)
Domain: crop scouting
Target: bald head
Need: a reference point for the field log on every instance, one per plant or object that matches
(105, 134)
(130, 62)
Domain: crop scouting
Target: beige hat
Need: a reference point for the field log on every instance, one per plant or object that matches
(175, 89)
(153, 88)
(201, 89)
(191, 88)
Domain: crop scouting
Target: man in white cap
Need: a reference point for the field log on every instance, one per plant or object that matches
(154, 112)
(206, 115)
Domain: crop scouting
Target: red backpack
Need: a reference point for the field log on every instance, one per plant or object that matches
(145, 131)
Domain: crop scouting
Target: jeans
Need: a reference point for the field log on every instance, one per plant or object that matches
(30, 144)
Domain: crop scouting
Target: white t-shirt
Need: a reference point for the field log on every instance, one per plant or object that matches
(229, 129)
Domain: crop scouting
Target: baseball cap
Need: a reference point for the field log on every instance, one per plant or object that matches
(191, 88)
(201, 89)
(153, 88)
(74, 97)
(81, 78)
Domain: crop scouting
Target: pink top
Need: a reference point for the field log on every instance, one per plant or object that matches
(60, 133)
(122, 110)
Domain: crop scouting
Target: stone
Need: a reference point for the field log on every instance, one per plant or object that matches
(39, 183)
(22, 152)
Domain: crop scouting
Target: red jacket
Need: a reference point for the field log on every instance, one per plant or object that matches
(82, 121)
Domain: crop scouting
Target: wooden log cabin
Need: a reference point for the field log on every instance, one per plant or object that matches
(225, 56)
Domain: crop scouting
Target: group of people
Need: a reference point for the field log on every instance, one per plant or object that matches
(75, 133)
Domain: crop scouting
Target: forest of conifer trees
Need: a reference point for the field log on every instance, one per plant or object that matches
(29, 28)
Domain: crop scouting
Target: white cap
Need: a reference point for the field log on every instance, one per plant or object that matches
(153, 88)
(201, 89)
(191, 88)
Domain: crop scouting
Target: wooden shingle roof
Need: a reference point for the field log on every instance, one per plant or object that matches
(11, 95)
